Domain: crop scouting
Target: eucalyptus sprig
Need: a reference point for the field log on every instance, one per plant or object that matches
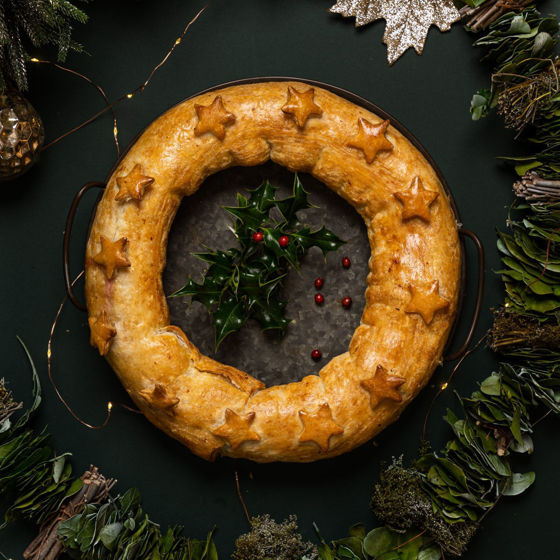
(244, 283)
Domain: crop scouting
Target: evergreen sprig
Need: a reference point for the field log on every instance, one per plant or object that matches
(244, 283)
(40, 23)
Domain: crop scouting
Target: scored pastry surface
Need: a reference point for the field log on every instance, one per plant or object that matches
(412, 285)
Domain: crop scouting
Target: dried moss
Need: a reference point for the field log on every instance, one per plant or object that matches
(269, 540)
(7, 404)
(401, 504)
(514, 331)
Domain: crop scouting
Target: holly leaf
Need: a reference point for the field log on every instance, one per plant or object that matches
(228, 317)
(271, 316)
(297, 201)
(407, 21)
(208, 293)
(323, 238)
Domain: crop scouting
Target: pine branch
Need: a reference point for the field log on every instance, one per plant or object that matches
(37, 23)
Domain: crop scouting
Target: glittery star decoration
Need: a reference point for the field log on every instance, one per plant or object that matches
(112, 256)
(159, 397)
(213, 118)
(426, 302)
(301, 105)
(237, 429)
(319, 427)
(382, 386)
(407, 21)
(371, 139)
(134, 185)
(416, 201)
(102, 332)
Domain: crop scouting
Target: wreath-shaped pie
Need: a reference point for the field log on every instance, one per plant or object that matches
(412, 287)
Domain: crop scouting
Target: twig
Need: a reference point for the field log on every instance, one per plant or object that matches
(237, 485)
(47, 545)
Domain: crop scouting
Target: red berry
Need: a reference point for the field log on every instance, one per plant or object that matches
(346, 262)
(283, 241)
(346, 302)
(316, 355)
(319, 299)
(318, 283)
(258, 236)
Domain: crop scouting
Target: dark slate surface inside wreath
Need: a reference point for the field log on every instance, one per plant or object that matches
(273, 359)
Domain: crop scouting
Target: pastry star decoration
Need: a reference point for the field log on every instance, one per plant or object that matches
(371, 139)
(426, 302)
(133, 185)
(382, 386)
(237, 429)
(319, 427)
(301, 105)
(213, 118)
(112, 256)
(102, 332)
(416, 201)
(159, 397)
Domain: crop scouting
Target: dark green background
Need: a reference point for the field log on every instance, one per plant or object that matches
(238, 39)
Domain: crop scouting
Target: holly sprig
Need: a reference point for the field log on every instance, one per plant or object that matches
(244, 283)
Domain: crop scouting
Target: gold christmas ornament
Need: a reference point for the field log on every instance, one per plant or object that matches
(407, 21)
(21, 135)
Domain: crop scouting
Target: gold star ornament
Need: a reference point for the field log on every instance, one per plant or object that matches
(371, 139)
(237, 428)
(112, 256)
(319, 426)
(383, 386)
(416, 201)
(160, 397)
(301, 105)
(426, 301)
(133, 186)
(102, 333)
(213, 118)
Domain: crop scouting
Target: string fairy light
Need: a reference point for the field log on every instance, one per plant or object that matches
(111, 105)
(110, 404)
(96, 86)
(445, 385)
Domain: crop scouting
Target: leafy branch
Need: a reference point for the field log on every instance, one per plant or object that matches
(244, 283)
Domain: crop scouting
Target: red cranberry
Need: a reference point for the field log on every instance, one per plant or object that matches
(346, 302)
(316, 355)
(258, 236)
(319, 299)
(346, 262)
(318, 283)
(283, 241)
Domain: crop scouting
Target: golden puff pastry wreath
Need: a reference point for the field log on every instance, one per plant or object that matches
(412, 285)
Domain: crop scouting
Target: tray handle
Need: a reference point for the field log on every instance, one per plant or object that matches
(479, 295)
(66, 242)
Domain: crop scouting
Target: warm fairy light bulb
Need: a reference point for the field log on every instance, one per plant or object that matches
(48, 354)
(109, 406)
(129, 95)
(444, 386)
(34, 60)
(178, 41)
